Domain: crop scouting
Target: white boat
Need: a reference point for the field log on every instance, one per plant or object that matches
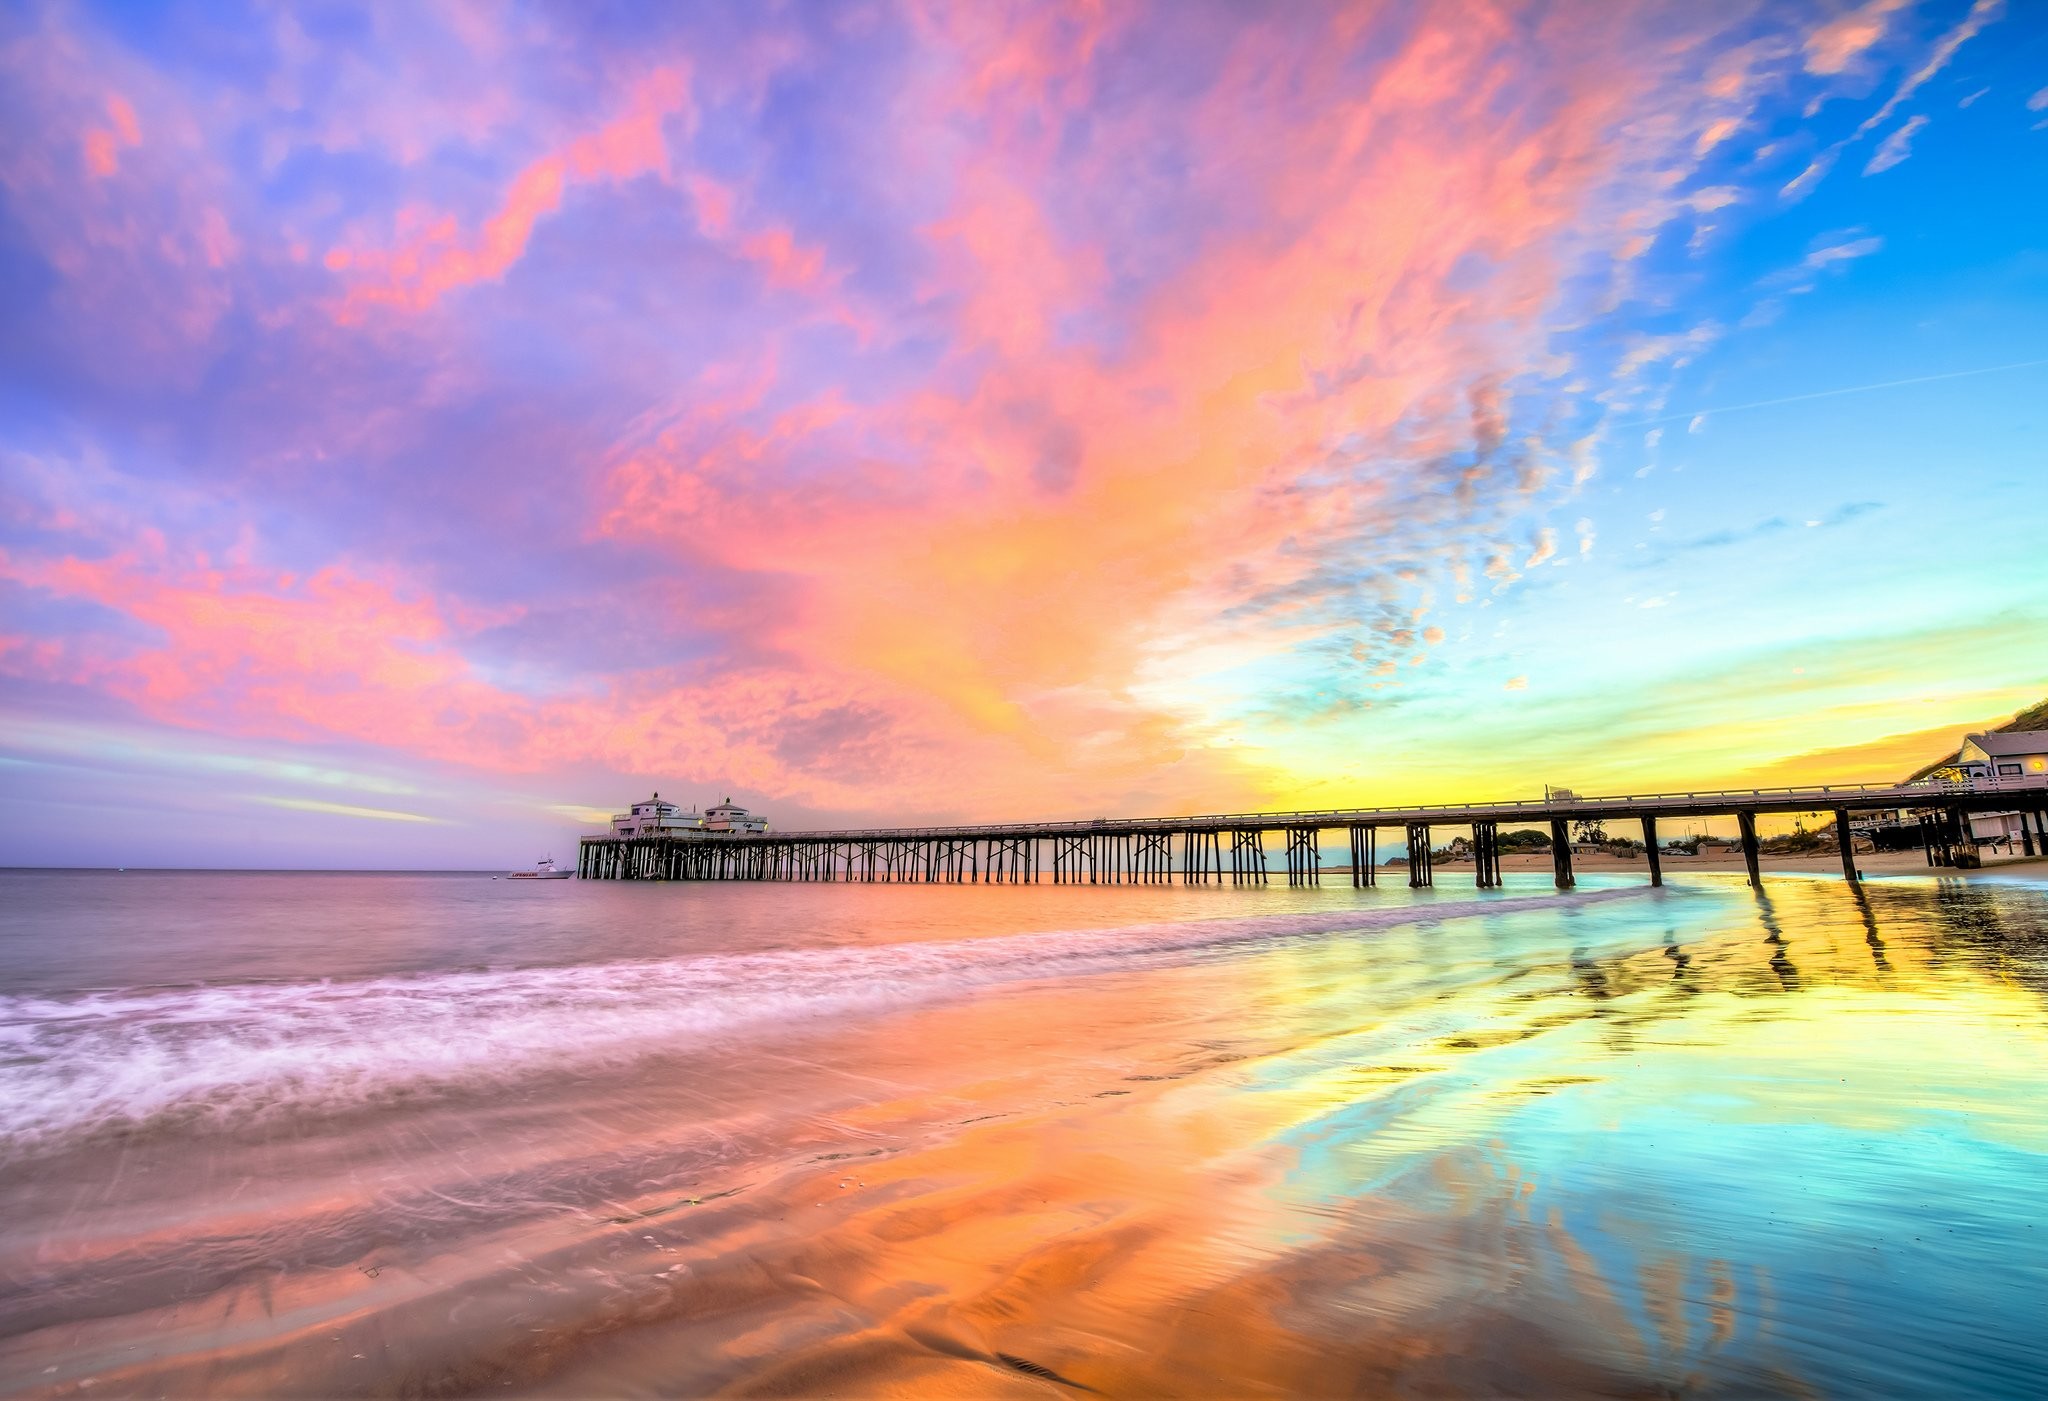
(543, 869)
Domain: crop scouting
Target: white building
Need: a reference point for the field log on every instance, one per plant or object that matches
(2005, 754)
(657, 817)
(728, 816)
(2002, 754)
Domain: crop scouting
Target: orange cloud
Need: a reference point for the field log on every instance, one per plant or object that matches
(1845, 38)
(344, 654)
(1087, 524)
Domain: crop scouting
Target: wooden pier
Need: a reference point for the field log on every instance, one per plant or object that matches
(1232, 847)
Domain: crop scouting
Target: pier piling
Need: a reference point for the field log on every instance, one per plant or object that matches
(1363, 875)
(1747, 822)
(1247, 857)
(1486, 854)
(1561, 854)
(1419, 873)
(1304, 856)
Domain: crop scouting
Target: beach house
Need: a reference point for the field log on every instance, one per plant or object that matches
(2010, 754)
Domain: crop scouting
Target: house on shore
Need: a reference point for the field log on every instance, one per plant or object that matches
(1996, 754)
(2004, 754)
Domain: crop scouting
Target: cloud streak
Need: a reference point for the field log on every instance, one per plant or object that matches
(1895, 148)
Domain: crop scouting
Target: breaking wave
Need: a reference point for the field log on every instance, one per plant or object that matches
(73, 1067)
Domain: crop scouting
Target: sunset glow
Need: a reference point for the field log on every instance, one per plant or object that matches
(427, 427)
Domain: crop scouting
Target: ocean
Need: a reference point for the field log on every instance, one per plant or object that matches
(297, 1134)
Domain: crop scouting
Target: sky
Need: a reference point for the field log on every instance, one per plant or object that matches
(425, 428)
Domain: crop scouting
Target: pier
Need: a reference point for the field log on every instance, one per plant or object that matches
(1232, 847)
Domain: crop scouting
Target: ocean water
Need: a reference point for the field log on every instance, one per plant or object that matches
(320, 1135)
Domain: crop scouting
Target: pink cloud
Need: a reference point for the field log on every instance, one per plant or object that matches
(103, 145)
(432, 256)
(1844, 39)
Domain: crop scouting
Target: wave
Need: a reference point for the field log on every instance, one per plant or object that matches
(74, 1067)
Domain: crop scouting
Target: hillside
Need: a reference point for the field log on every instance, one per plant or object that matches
(2034, 717)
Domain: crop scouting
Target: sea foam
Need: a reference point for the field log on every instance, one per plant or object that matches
(214, 1056)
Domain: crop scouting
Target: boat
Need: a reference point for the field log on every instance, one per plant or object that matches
(543, 869)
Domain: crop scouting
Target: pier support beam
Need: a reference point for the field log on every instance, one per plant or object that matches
(1304, 856)
(1363, 839)
(1419, 873)
(1650, 852)
(1847, 843)
(1747, 822)
(1155, 858)
(1070, 856)
(1486, 854)
(1561, 854)
(1247, 857)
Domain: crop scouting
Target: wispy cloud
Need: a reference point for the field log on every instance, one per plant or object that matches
(320, 805)
(1859, 29)
(1981, 13)
(1846, 389)
(1896, 147)
(1846, 251)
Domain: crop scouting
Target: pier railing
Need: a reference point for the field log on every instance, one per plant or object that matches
(1117, 850)
(1862, 796)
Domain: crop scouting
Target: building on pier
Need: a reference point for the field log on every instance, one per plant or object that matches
(657, 817)
(730, 818)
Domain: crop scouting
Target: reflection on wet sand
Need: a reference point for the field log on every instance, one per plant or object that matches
(1696, 1141)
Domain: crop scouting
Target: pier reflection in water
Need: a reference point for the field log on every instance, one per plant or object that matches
(446, 1136)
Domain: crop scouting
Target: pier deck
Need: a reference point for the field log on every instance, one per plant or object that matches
(1231, 847)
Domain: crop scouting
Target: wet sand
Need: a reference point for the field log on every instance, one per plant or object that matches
(1879, 863)
(1616, 1143)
